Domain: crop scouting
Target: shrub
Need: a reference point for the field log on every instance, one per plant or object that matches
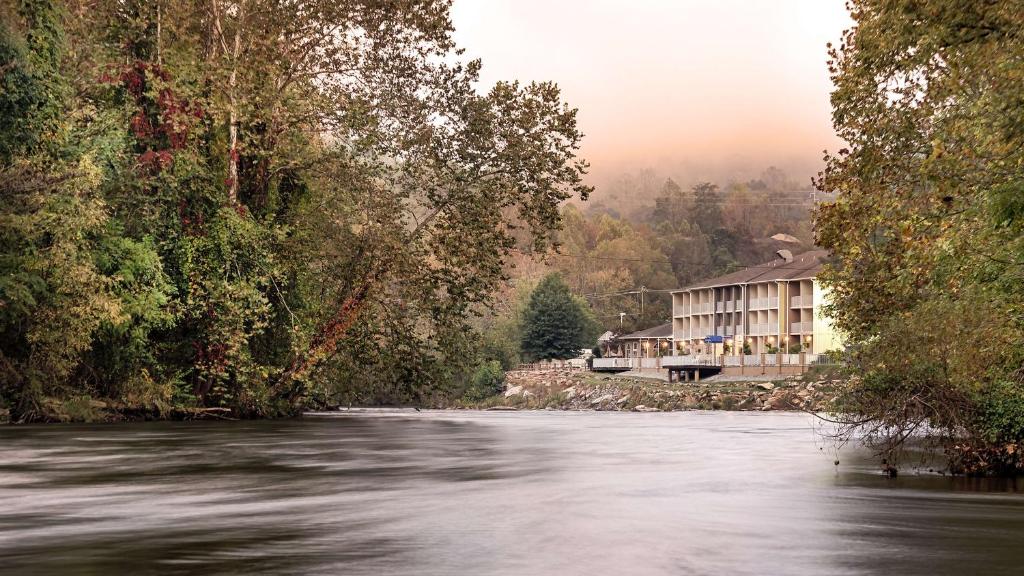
(488, 380)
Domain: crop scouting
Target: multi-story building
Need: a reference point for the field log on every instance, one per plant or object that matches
(770, 307)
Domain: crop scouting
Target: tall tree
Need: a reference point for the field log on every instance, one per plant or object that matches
(556, 325)
(926, 231)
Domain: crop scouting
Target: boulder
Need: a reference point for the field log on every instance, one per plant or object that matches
(601, 399)
(765, 385)
(513, 391)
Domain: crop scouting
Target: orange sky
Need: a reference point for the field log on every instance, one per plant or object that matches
(693, 88)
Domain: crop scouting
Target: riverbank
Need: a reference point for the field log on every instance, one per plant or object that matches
(561, 389)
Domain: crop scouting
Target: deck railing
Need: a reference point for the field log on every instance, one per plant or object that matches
(613, 363)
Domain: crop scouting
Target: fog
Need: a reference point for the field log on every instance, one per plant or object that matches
(691, 89)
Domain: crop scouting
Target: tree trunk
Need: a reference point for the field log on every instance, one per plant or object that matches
(232, 180)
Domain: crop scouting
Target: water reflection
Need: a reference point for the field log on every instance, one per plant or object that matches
(484, 493)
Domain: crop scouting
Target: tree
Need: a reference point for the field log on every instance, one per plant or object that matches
(556, 325)
(239, 203)
(926, 233)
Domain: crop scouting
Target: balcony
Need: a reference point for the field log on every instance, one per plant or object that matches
(758, 303)
(801, 301)
(801, 327)
(773, 302)
(719, 306)
(758, 329)
(729, 307)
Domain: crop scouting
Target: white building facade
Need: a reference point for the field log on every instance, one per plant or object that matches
(774, 307)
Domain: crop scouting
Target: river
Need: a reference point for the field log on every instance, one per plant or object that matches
(480, 493)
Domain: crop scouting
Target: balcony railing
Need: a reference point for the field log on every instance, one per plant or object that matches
(801, 327)
(773, 302)
(758, 303)
(758, 329)
(800, 301)
(719, 306)
(730, 306)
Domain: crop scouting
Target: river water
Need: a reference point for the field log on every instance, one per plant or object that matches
(479, 493)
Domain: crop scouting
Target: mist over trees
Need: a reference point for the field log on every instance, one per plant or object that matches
(668, 236)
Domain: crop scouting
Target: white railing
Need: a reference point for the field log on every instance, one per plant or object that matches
(614, 363)
(689, 360)
(719, 331)
(650, 363)
(728, 330)
(773, 302)
(719, 306)
(739, 305)
(799, 301)
(801, 327)
(758, 329)
(730, 306)
(770, 359)
(791, 359)
(751, 359)
(819, 359)
(732, 360)
(757, 303)
(705, 308)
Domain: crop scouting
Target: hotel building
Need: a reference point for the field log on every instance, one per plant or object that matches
(767, 308)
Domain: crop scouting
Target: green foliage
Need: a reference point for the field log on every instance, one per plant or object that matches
(557, 325)
(671, 238)
(925, 232)
(488, 380)
(197, 214)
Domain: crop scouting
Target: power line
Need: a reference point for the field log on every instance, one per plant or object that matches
(681, 262)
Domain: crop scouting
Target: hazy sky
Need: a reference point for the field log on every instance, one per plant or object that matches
(696, 89)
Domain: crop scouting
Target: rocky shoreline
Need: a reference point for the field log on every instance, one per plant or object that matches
(562, 389)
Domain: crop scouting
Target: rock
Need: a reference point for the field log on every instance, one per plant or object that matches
(642, 408)
(601, 399)
(569, 392)
(5, 416)
(513, 391)
(501, 409)
(765, 385)
(622, 400)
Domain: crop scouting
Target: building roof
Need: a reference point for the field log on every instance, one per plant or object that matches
(802, 267)
(606, 337)
(662, 331)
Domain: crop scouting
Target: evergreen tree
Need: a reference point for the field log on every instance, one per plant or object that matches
(557, 324)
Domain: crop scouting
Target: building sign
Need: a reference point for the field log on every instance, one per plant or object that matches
(713, 339)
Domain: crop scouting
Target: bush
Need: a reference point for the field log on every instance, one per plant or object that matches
(488, 380)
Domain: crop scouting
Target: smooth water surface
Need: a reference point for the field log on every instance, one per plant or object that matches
(480, 493)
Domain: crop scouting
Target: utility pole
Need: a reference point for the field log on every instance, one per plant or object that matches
(642, 290)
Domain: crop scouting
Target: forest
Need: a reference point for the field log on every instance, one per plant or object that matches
(257, 206)
(261, 207)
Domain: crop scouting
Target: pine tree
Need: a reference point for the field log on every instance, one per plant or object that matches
(557, 324)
